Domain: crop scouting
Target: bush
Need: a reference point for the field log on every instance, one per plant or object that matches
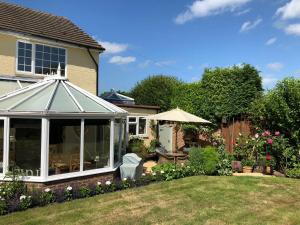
(204, 160)
(85, 192)
(3, 207)
(225, 159)
(293, 173)
(25, 202)
(136, 145)
(47, 197)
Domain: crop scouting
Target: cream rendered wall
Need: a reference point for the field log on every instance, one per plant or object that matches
(81, 69)
(143, 112)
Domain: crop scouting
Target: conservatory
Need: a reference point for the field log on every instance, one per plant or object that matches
(53, 130)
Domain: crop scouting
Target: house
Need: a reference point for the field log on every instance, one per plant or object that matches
(137, 124)
(33, 43)
(54, 130)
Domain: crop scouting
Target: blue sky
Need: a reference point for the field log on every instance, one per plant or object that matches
(181, 38)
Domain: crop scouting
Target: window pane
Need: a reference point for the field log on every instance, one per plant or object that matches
(46, 49)
(21, 45)
(54, 50)
(62, 59)
(28, 61)
(38, 70)
(28, 53)
(132, 129)
(54, 57)
(28, 47)
(21, 60)
(46, 64)
(117, 136)
(25, 146)
(1, 144)
(21, 67)
(39, 48)
(46, 71)
(96, 144)
(38, 62)
(64, 146)
(142, 125)
(46, 56)
(132, 119)
(39, 55)
(27, 68)
(21, 52)
(62, 52)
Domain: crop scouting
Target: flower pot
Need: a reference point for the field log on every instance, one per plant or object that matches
(236, 166)
(247, 169)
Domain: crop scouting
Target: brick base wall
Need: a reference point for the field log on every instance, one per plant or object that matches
(83, 181)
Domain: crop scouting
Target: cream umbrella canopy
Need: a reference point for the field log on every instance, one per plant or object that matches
(179, 116)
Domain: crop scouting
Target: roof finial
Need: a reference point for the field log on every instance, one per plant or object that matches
(58, 73)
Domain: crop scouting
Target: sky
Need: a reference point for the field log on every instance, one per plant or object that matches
(183, 37)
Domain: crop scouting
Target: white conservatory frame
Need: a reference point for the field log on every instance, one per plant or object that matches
(115, 114)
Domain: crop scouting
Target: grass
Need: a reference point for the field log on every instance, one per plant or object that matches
(193, 200)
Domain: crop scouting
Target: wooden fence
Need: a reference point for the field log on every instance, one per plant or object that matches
(230, 131)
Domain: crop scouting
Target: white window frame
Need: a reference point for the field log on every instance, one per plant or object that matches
(33, 58)
(4, 144)
(17, 57)
(137, 126)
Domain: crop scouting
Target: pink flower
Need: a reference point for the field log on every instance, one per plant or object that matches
(270, 141)
(277, 133)
(267, 133)
(256, 135)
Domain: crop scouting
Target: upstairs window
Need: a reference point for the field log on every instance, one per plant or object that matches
(24, 60)
(47, 59)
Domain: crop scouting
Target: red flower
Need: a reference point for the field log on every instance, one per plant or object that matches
(270, 141)
(268, 157)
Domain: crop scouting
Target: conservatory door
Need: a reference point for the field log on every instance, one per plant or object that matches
(1, 144)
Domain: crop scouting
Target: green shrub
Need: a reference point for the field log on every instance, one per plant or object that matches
(225, 159)
(47, 197)
(85, 192)
(294, 172)
(25, 202)
(136, 145)
(3, 207)
(204, 160)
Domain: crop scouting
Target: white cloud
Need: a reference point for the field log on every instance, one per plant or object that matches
(248, 25)
(243, 12)
(275, 66)
(293, 29)
(121, 60)
(269, 81)
(164, 63)
(113, 47)
(145, 64)
(290, 10)
(203, 8)
(271, 41)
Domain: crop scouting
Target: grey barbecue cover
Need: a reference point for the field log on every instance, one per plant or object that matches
(132, 166)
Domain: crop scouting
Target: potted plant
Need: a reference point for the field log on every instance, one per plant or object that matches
(248, 165)
(269, 166)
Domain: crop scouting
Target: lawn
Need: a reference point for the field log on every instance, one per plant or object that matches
(193, 200)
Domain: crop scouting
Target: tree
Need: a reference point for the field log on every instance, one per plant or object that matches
(156, 90)
(279, 110)
(222, 92)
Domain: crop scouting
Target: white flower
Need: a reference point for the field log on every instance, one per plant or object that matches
(98, 183)
(173, 170)
(69, 188)
(253, 139)
(22, 197)
(143, 174)
(162, 172)
(154, 174)
(124, 179)
(47, 189)
(256, 135)
(182, 164)
(108, 182)
(240, 134)
(3, 192)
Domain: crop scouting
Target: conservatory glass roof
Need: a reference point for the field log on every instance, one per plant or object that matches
(55, 95)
